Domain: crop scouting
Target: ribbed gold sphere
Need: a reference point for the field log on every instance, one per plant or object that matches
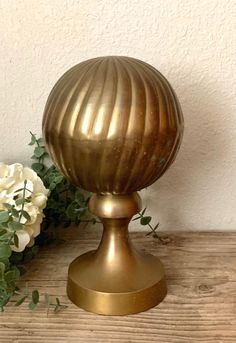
(113, 124)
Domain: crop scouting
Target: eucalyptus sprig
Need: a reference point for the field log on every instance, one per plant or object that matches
(146, 221)
(35, 299)
(11, 263)
(66, 204)
(10, 223)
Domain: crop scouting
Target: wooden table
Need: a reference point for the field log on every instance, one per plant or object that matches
(200, 305)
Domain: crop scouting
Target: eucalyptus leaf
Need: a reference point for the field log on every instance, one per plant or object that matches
(16, 240)
(136, 218)
(2, 270)
(79, 197)
(21, 300)
(3, 232)
(143, 211)
(4, 216)
(47, 299)
(20, 201)
(40, 141)
(33, 139)
(26, 215)
(37, 167)
(32, 305)
(5, 250)
(145, 220)
(12, 275)
(39, 151)
(7, 206)
(4, 225)
(15, 225)
(35, 296)
(14, 212)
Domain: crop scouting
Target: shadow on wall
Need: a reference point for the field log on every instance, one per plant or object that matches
(179, 198)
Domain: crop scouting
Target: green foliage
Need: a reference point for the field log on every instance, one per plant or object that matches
(9, 224)
(35, 299)
(146, 221)
(66, 203)
(11, 263)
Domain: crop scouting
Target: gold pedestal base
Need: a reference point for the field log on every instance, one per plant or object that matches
(116, 279)
(131, 291)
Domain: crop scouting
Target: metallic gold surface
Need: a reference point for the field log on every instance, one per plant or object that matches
(116, 278)
(113, 125)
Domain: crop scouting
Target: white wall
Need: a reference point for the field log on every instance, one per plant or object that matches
(191, 42)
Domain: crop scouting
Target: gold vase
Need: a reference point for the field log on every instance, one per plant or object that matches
(113, 125)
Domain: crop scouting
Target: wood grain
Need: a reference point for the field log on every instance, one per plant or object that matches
(200, 305)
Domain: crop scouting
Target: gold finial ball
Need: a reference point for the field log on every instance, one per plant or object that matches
(113, 124)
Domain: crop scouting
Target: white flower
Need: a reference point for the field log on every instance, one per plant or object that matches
(12, 178)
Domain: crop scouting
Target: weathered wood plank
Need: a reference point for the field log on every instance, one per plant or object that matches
(200, 305)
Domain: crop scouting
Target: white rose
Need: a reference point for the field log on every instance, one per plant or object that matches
(12, 178)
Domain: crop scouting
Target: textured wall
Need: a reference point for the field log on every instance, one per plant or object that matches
(191, 42)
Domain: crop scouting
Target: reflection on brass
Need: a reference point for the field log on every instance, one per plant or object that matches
(113, 125)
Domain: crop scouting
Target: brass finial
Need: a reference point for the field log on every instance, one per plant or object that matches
(113, 125)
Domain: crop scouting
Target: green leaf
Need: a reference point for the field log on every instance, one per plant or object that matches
(58, 179)
(20, 201)
(71, 211)
(46, 299)
(143, 211)
(40, 141)
(32, 305)
(136, 218)
(79, 197)
(145, 220)
(6, 262)
(2, 270)
(156, 226)
(2, 232)
(35, 296)
(15, 225)
(12, 275)
(4, 216)
(14, 212)
(58, 306)
(4, 225)
(94, 221)
(21, 300)
(7, 206)
(26, 215)
(52, 186)
(38, 167)
(5, 251)
(16, 240)
(33, 139)
(19, 190)
(39, 151)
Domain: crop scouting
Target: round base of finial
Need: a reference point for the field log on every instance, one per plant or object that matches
(116, 290)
